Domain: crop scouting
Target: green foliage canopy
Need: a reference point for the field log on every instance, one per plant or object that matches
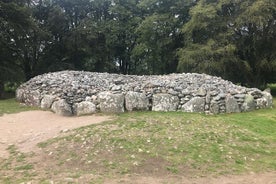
(234, 39)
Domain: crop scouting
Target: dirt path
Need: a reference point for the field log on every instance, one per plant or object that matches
(26, 129)
(252, 178)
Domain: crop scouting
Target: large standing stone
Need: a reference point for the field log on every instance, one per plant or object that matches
(208, 97)
(19, 94)
(261, 103)
(33, 98)
(266, 101)
(268, 98)
(248, 104)
(109, 102)
(165, 102)
(85, 108)
(214, 107)
(61, 107)
(47, 101)
(196, 104)
(136, 101)
(231, 105)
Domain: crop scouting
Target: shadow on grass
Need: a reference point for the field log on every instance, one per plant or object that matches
(7, 95)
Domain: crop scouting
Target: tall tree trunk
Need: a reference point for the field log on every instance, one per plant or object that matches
(27, 70)
(1, 89)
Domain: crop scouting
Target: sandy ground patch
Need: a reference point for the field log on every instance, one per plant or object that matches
(26, 129)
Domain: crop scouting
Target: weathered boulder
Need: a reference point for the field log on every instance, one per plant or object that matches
(136, 101)
(19, 94)
(231, 105)
(111, 103)
(266, 101)
(33, 98)
(196, 104)
(29, 97)
(201, 92)
(85, 108)
(261, 102)
(165, 102)
(268, 98)
(47, 101)
(248, 104)
(214, 107)
(61, 107)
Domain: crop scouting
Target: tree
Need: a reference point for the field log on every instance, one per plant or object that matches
(159, 35)
(232, 39)
(206, 42)
(52, 19)
(155, 36)
(15, 23)
(255, 39)
(121, 38)
(70, 36)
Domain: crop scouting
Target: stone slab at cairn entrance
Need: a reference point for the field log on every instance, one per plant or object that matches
(79, 93)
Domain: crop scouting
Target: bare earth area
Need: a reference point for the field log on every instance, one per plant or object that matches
(26, 129)
(253, 178)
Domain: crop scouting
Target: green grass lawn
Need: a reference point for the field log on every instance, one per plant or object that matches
(9, 106)
(157, 144)
(177, 142)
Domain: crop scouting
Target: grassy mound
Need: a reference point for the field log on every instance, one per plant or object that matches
(158, 144)
(151, 144)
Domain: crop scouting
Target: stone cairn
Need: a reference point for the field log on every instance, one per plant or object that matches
(78, 93)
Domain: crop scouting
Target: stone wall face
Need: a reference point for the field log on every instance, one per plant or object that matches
(79, 92)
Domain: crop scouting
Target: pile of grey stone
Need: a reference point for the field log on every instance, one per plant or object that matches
(79, 93)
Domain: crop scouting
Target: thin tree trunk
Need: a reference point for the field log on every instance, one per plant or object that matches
(1, 89)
